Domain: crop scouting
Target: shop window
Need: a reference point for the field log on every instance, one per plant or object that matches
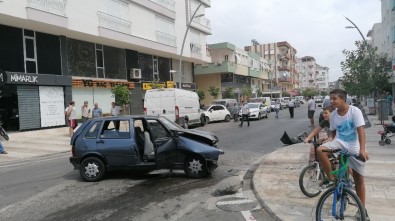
(99, 61)
(81, 58)
(114, 62)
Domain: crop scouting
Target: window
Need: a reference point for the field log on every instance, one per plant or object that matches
(157, 130)
(165, 31)
(118, 9)
(93, 131)
(115, 129)
(99, 61)
(29, 45)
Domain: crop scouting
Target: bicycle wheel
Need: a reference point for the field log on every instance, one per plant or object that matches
(309, 181)
(352, 206)
(3, 133)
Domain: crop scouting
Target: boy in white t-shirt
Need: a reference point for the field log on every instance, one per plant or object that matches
(346, 132)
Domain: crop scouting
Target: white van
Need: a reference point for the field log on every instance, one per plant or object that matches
(179, 106)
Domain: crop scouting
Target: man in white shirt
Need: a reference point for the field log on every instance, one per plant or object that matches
(311, 106)
(115, 111)
(291, 106)
(245, 112)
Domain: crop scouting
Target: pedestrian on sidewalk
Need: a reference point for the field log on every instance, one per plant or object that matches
(245, 114)
(277, 107)
(389, 103)
(85, 111)
(324, 124)
(96, 111)
(2, 151)
(71, 117)
(311, 106)
(291, 107)
(346, 132)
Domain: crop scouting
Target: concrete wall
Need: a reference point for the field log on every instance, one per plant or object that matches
(204, 82)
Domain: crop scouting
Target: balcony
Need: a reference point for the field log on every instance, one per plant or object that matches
(283, 68)
(202, 23)
(57, 7)
(213, 68)
(169, 4)
(285, 79)
(114, 23)
(196, 48)
(166, 39)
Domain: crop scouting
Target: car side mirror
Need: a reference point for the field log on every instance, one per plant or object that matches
(211, 110)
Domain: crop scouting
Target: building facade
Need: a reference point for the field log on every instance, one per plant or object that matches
(55, 51)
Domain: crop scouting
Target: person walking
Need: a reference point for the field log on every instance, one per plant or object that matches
(236, 110)
(115, 110)
(311, 106)
(97, 112)
(347, 133)
(245, 114)
(291, 106)
(85, 111)
(389, 103)
(277, 107)
(71, 117)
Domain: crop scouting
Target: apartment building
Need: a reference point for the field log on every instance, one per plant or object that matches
(282, 57)
(232, 67)
(312, 75)
(55, 51)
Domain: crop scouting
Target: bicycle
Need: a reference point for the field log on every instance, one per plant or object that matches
(340, 202)
(3, 133)
(312, 176)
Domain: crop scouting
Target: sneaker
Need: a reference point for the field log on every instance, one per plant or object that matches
(359, 216)
(3, 152)
(327, 183)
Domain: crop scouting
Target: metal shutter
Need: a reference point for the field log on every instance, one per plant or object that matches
(29, 107)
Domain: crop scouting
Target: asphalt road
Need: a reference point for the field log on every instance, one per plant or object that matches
(49, 189)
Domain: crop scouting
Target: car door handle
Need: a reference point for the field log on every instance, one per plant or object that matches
(100, 141)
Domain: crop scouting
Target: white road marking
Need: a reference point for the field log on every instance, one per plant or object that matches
(247, 215)
(232, 202)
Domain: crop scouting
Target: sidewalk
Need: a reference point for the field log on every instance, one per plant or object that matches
(27, 144)
(276, 180)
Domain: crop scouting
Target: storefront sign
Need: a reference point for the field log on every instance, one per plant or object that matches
(148, 85)
(18, 78)
(101, 83)
(187, 86)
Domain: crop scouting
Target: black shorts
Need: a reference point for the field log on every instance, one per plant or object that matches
(310, 114)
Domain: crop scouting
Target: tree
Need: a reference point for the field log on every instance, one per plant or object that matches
(214, 91)
(121, 94)
(259, 92)
(364, 70)
(308, 92)
(286, 94)
(246, 91)
(201, 94)
(229, 93)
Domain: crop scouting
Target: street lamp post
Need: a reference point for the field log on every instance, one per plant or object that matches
(271, 78)
(183, 41)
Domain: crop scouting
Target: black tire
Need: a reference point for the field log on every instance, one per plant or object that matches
(259, 116)
(308, 183)
(387, 141)
(3, 133)
(207, 120)
(381, 142)
(227, 118)
(92, 169)
(195, 167)
(202, 120)
(353, 205)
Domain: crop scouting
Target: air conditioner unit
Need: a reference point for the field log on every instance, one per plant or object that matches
(135, 73)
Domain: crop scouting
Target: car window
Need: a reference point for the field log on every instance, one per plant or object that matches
(93, 131)
(220, 108)
(112, 129)
(157, 129)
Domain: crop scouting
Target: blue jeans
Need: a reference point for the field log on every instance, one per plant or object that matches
(1, 147)
(277, 110)
(390, 112)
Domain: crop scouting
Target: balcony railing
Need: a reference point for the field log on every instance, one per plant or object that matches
(203, 22)
(284, 79)
(165, 38)
(57, 7)
(114, 23)
(196, 48)
(169, 4)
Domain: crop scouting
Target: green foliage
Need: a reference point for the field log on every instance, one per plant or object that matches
(214, 91)
(259, 92)
(246, 91)
(121, 94)
(286, 94)
(364, 70)
(308, 92)
(201, 94)
(156, 85)
(229, 93)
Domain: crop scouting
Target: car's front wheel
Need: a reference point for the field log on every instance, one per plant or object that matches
(203, 120)
(92, 169)
(227, 118)
(195, 167)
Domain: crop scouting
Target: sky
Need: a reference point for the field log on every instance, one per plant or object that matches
(313, 27)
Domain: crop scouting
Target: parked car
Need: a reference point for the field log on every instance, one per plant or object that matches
(141, 144)
(266, 101)
(257, 111)
(283, 103)
(230, 104)
(216, 112)
(318, 100)
(296, 101)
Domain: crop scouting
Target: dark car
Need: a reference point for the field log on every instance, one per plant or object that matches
(141, 144)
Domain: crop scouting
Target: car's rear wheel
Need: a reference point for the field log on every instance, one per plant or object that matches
(195, 167)
(203, 121)
(227, 118)
(207, 120)
(92, 169)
